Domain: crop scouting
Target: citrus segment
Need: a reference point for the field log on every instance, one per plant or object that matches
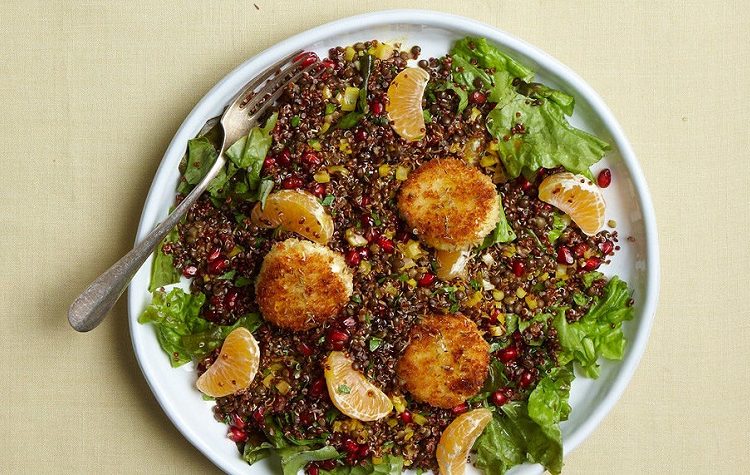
(458, 438)
(576, 196)
(405, 103)
(351, 392)
(451, 264)
(297, 211)
(234, 368)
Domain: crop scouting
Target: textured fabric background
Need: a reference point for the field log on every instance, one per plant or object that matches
(91, 93)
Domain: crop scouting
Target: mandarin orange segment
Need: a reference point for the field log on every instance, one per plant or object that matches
(451, 264)
(351, 392)
(576, 196)
(405, 103)
(297, 211)
(234, 368)
(458, 438)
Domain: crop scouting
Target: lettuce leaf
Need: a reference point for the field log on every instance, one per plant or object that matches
(163, 271)
(175, 314)
(599, 332)
(182, 333)
(503, 232)
(387, 465)
(249, 153)
(513, 437)
(547, 142)
(548, 402)
(256, 449)
(559, 223)
(201, 155)
(293, 458)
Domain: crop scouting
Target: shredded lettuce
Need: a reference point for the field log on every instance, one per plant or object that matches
(503, 232)
(547, 139)
(293, 458)
(387, 465)
(559, 223)
(201, 155)
(599, 332)
(182, 333)
(548, 402)
(249, 153)
(163, 271)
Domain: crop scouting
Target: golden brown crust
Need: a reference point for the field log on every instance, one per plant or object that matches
(302, 284)
(446, 361)
(450, 204)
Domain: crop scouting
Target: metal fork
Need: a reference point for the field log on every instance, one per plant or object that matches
(242, 114)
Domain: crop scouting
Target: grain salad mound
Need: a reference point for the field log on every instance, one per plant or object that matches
(401, 280)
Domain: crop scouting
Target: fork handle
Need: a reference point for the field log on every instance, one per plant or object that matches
(90, 308)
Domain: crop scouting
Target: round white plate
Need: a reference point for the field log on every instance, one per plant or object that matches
(628, 202)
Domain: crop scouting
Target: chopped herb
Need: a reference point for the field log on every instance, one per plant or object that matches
(229, 275)
(328, 200)
(376, 218)
(454, 307)
(330, 108)
(475, 284)
(242, 281)
(375, 343)
(427, 116)
(295, 121)
(356, 298)
(343, 389)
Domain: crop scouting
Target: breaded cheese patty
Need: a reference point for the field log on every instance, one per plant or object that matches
(302, 284)
(450, 205)
(446, 361)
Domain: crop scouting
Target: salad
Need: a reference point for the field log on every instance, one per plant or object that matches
(400, 269)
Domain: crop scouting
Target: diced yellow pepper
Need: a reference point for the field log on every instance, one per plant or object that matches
(498, 295)
(344, 147)
(326, 92)
(419, 418)
(531, 302)
(283, 387)
(349, 53)
(474, 299)
(384, 170)
(383, 51)
(365, 267)
(322, 176)
(475, 113)
(349, 99)
(398, 403)
(520, 293)
(412, 283)
(402, 173)
(488, 160)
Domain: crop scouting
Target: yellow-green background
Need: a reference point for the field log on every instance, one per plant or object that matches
(92, 92)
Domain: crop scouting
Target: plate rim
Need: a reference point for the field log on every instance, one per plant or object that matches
(420, 17)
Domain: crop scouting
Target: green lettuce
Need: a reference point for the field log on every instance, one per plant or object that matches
(249, 153)
(503, 232)
(513, 437)
(294, 458)
(201, 155)
(548, 402)
(175, 315)
(599, 332)
(163, 271)
(182, 333)
(559, 223)
(548, 140)
(387, 465)
(256, 449)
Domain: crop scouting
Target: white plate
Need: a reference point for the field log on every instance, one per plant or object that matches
(627, 199)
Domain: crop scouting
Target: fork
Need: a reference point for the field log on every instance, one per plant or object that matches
(241, 115)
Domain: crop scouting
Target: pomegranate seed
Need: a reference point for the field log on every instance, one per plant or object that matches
(291, 183)
(363, 451)
(592, 263)
(350, 446)
(328, 63)
(580, 249)
(189, 271)
(477, 97)
(517, 337)
(498, 398)
(495, 316)
(337, 336)
(508, 354)
(284, 158)
(604, 178)
(237, 421)
(526, 379)
(525, 184)
(217, 267)
(237, 435)
(300, 56)
(606, 247)
(309, 59)
(367, 222)
(460, 409)
(376, 108)
(319, 190)
(364, 201)
(426, 280)
(230, 299)
(352, 257)
(386, 244)
(313, 470)
(360, 135)
(214, 254)
(316, 390)
(269, 163)
(371, 235)
(311, 159)
(215, 300)
(305, 349)
(564, 256)
(259, 416)
(406, 417)
(519, 268)
(329, 464)
(306, 418)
